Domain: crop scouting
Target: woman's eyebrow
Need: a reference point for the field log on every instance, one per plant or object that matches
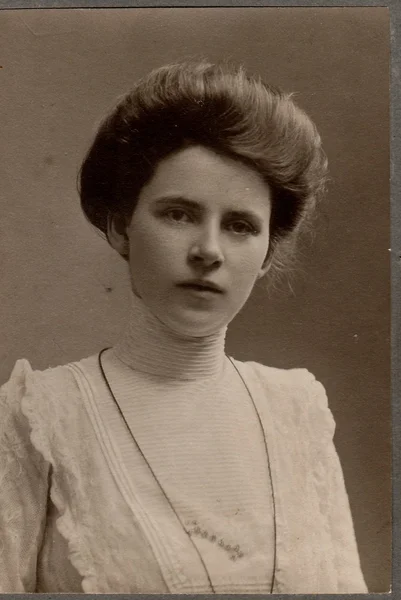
(246, 214)
(166, 200)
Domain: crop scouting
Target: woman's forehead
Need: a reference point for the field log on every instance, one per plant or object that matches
(201, 176)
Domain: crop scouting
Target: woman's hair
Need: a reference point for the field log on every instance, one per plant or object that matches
(218, 106)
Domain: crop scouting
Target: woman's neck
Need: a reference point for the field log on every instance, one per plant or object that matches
(149, 346)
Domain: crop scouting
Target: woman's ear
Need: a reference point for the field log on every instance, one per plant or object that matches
(117, 234)
(266, 264)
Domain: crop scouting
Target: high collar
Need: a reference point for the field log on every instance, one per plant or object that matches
(150, 346)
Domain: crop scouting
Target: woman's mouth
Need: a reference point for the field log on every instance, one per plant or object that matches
(202, 287)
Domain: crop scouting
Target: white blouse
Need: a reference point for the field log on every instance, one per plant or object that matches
(81, 511)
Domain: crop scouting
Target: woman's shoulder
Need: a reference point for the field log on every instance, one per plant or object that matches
(41, 390)
(59, 375)
(293, 393)
(36, 405)
(24, 378)
(287, 379)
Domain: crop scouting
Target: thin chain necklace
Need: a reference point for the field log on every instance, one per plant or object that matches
(164, 492)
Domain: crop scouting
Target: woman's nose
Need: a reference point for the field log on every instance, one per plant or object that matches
(206, 249)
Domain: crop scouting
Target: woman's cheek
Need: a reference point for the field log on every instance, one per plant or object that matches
(248, 267)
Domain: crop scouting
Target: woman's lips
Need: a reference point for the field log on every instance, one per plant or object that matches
(202, 286)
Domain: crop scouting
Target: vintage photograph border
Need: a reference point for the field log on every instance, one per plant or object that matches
(394, 7)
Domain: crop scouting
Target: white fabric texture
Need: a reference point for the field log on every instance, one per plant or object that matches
(80, 511)
(206, 448)
(115, 543)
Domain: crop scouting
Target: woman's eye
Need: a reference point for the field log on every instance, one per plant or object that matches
(177, 214)
(242, 227)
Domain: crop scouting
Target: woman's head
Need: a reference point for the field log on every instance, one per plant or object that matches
(202, 220)
(222, 112)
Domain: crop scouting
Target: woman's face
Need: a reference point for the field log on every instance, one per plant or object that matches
(202, 218)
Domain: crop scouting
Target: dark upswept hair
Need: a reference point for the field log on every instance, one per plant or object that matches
(218, 106)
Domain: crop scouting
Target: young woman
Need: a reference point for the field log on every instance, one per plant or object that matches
(162, 464)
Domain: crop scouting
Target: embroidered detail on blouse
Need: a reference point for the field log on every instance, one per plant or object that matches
(234, 552)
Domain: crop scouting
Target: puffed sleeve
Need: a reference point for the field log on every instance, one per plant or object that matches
(23, 489)
(334, 500)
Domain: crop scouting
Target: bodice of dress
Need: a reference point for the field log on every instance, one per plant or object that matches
(80, 509)
(191, 415)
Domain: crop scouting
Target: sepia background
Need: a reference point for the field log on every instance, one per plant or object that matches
(64, 292)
